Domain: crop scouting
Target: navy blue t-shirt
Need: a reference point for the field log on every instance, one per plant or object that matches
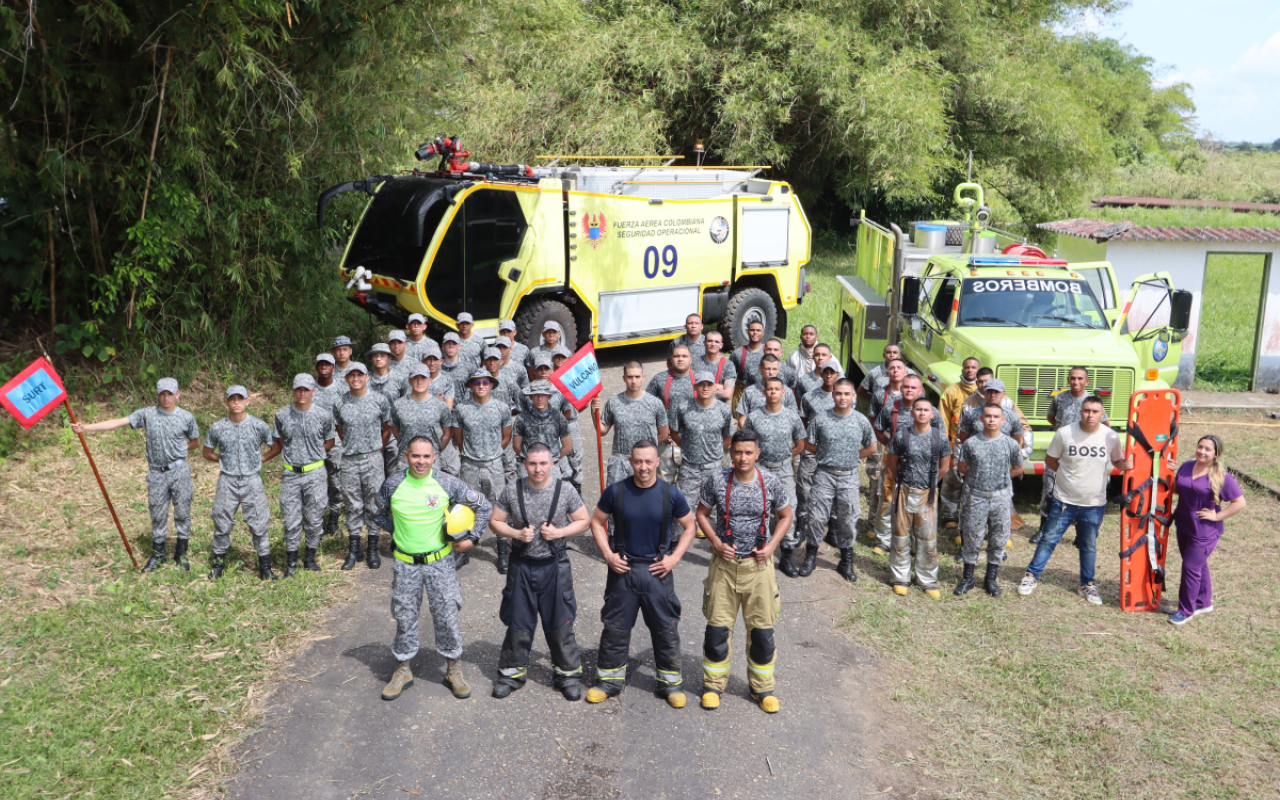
(643, 509)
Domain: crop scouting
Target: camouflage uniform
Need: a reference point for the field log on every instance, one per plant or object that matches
(363, 470)
(883, 512)
(722, 368)
(753, 398)
(438, 580)
(392, 386)
(812, 404)
(542, 427)
(697, 348)
(416, 351)
(987, 503)
(702, 431)
(303, 495)
(472, 351)
(778, 434)
(168, 473)
(481, 426)
(457, 373)
(915, 519)
(747, 362)
(414, 418)
(327, 397)
(631, 421)
(239, 446)
(833, 498)
(952, 405)
(679, 393)
(443, 387)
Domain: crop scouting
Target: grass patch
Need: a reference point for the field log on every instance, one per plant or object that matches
(1229, 321)
(1048, 697)
(819, 306)
(114, 684)
(1252, 438)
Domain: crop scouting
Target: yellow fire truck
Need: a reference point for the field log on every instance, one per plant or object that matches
(615, 255)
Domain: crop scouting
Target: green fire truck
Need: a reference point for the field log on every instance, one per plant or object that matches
(614, 254)
(956, 289)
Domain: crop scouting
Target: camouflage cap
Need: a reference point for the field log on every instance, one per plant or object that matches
(342, 341)
(502, 341)
(542, 360)
(167, 385)
(993, 385)
(561, 350)
(303, 381)
(491, 352)
(506, 325)
(237, 389)
(379, 348)
(452, 337)
(465, 317)
(539, 387)
(832, 366)
(356, 366)
(419, 371)
(397, 336)
(417, 318)
(326, 358)
(703, 377)
(552, 325)
(430, 349)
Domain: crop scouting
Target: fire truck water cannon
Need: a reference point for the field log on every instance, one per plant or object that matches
(449, 149)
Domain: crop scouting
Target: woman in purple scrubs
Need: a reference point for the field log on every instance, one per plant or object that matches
(1202, 486)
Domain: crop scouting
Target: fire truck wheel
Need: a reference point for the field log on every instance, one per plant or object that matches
(536, 313)
(747, 306)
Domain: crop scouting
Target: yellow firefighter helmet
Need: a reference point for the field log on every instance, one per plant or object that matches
(459, 520)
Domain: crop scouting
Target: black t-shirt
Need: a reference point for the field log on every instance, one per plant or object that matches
(644, 515)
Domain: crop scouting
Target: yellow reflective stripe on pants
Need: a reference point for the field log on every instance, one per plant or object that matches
(715, 669)
(767, 669)
(513, 672)
(611, 674)
(566, 673)
(669, 678)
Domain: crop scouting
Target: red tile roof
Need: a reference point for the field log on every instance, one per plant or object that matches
(1103, 231)
(1118, 201)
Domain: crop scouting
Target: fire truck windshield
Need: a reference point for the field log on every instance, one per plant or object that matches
(1029, 303)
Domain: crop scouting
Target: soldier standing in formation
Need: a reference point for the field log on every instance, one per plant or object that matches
(539, 423)
(780, 436)
(719, 365)
(747, 360)
(364, 422)
(235, 444)
(519, 350)
(391, 384)
(398, 343)
(918, 456)
(328, 393)
(453, 366)
(636, 415)
(840, 438)
(171, 433)
(895, 414)
(551, 335)
(304, 433)
(951, 405)
(692, 338)
(412, 506)
(483, 427)
(741, 500)
(342, 350)
(701, 429)
(471, 346)
(989, 462)
(674, 387)
(537, 513)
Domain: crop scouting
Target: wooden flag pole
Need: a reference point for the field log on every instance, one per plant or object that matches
(595, 414)
(66, 402)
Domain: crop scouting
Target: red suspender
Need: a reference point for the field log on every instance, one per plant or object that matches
(764, 506)
(666, 389)
(720, 369)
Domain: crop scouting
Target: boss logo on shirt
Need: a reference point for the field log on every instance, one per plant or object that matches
(1087, 451)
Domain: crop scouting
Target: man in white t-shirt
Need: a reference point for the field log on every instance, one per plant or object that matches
(1082, 455)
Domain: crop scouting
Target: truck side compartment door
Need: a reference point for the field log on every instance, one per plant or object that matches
(1146, 322)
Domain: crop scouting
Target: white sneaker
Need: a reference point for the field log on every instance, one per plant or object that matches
(1090, 592)
(1028, 584)
(1205, 610)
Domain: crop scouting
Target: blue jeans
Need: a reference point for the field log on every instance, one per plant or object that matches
(1087, 519)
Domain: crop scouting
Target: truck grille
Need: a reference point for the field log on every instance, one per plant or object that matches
(1047, 380)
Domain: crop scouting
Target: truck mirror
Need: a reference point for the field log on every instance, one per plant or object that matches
(909, 303)
(1180, 319)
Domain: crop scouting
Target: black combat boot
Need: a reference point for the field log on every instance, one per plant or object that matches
(180, 554)
(217, 565)
(845, 567)
(290, 562)
(966, 581)
(264, 568)
(810, 562)
(353, 552)
(993, 588)
(158, 557)
(330, 523)
(785, 565)
(460, 560)
(504, 555)
(371, 558)
(309, 560)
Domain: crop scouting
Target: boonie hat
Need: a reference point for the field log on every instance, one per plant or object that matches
(303, 381)
(342, 341)
(506, 325)
(465, 317)
(539, 387)
(232, 391)
(993, 385)
(379, 348)
(502, 341)
(417, 318)
(326, 358)
(419, 370)
(491, 352)
(703, 377)
(167, 385)
(397, 336)
(452, 337)
(480, 373)
(356, 366)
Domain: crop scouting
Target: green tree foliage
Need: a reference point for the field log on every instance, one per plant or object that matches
(162, 160)
(861, 103)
